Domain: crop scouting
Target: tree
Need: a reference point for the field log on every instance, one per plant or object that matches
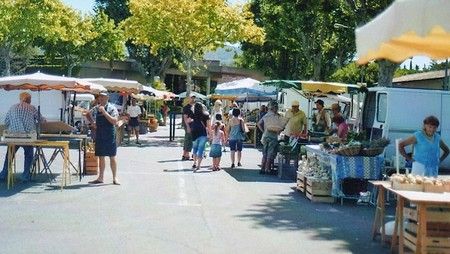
(86, 38)
(190, 27)
(302, 39)
(22, 23)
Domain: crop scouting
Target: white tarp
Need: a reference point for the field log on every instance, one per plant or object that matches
(247, 86)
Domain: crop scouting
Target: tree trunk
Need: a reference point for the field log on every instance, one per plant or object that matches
(188, 77)
(317, 66)
(386, 72)
(69, 69)
(6, 54)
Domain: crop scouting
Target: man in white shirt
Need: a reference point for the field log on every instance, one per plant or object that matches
(134, 111)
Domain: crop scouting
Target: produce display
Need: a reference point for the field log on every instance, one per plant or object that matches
(356, 148)
(311, 167)
(420, 183)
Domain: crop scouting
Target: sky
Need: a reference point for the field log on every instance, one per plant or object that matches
(87, 6)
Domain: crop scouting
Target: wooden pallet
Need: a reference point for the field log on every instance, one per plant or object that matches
(319, 191)
(438, 229)
(301, 182)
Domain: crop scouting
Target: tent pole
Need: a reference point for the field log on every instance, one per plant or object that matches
(446, 78)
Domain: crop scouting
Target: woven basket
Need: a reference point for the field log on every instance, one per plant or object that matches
(371, 152)
(349, 151)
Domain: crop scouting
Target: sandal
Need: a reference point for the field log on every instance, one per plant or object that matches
(96, 181)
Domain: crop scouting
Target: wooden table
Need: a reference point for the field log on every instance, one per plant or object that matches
(39, 144)
(423, 200)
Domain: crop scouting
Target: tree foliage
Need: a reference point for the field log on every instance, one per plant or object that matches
(302, 39)
(189, 27)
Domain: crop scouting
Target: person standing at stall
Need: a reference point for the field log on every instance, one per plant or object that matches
(22, 118)
(188, 115)
(297, 124)
(105, 117)
(427, 146)
(322, 121)
(134, 112)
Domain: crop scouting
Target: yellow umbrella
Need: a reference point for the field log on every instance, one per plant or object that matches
(407, 28)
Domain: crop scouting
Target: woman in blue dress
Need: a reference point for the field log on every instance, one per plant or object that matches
(427, 146)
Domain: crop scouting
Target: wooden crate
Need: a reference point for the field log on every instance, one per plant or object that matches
(407, 186)
(318, 191)
(91, 162)
(438, 229)
(301, 182)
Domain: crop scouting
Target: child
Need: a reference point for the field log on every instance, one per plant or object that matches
(217, 139)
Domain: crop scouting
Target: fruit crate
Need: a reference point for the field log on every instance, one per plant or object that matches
(319, 190)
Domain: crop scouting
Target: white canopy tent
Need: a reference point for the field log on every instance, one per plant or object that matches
(247, 86)
(161, 95)
(197, 95)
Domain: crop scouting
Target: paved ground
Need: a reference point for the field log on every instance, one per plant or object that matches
(162, 207)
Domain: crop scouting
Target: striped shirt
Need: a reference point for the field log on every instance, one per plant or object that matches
(21, 117)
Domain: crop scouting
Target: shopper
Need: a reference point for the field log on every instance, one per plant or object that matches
(427, 144)
(322, 121)
(273, 124)
(188, 114)
(134, 112)
(236, 135)
(199, 131)
(217, 139)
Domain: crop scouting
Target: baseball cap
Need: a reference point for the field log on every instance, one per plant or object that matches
(295, 103)
(319, 102)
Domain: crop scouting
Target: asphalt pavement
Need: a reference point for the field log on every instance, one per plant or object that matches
(163, 207)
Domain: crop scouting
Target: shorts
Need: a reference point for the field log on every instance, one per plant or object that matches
(134, 122)
(199, 146)
(187, 145)
(270, 148)
(235, 145)
(216, 151)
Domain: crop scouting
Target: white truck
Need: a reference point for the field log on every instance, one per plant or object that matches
(399, 112)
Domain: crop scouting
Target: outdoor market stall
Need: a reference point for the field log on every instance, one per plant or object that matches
(124, 88)
(246, 91)
(43, 82)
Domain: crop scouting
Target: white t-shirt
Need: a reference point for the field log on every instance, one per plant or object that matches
(134, 111)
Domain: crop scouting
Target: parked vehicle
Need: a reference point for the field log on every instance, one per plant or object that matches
(399, 112)
(82, 102)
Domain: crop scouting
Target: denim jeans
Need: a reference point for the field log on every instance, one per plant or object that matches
(28, 154)
(199, 146)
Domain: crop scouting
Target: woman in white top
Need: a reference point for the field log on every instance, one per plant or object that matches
(134, 111)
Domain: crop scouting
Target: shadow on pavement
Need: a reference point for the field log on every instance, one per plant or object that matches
(349, 223)
(151, 143)
(252, 175)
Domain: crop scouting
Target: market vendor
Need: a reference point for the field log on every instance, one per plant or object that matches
(105, 117)
(297, 123)
(22, 118)
(322, 119)
(273, 124)
(134, 112)
(427, 149)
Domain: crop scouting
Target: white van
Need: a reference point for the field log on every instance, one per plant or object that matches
(51, 103)
(82, 102)
(399, 112)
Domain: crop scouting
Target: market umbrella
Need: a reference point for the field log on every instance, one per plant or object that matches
(43, 82)
(162, 95)
(197, 95)
(406, 28)
(117, 85)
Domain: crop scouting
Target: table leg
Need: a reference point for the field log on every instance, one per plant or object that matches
(421, 246)
(395, 233)
(79, 159)
(382, 212)
(11, 156)
(376, 221)
(401, 237)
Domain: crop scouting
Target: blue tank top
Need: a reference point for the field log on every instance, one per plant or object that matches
(427, 151)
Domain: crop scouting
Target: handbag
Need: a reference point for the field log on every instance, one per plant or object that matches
(244, 130)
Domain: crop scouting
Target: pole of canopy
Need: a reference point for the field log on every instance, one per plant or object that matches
(446, 78)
